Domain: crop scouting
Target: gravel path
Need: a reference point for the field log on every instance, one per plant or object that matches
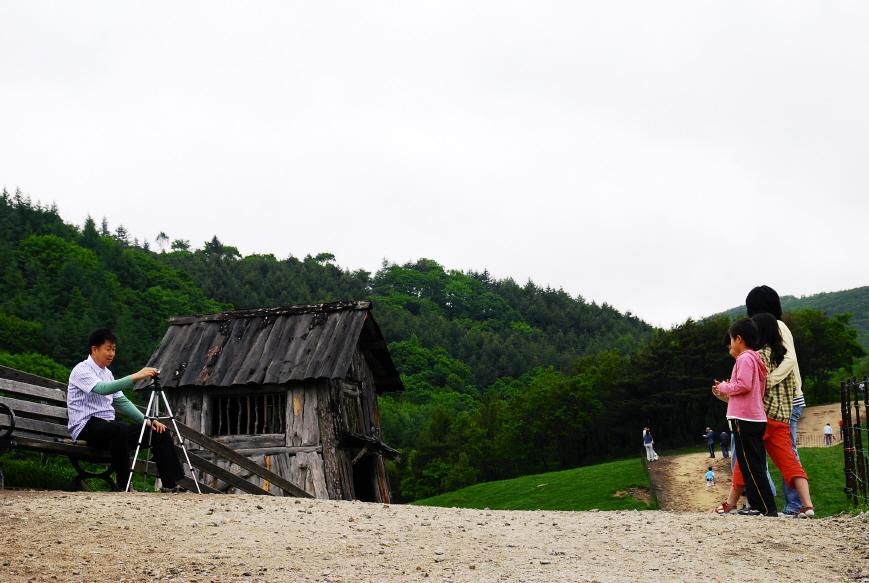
(53, 536)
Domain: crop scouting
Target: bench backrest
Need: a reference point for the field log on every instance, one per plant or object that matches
(39, 411)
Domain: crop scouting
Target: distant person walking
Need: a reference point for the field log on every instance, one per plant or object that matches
(724, 439)
(828, 434)
(710, 441)
(649, 443)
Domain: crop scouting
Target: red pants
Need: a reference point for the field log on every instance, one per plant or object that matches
(777, 442)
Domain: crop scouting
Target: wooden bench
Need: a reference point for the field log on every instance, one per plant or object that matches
(40, 425)
(38, 406)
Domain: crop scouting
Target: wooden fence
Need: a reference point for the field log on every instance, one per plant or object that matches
(856, 439)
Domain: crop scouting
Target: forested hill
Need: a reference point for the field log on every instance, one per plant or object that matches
(853, 301)
(501, 379)
(496, 327)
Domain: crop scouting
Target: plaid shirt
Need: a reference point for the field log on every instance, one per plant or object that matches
(778, 400)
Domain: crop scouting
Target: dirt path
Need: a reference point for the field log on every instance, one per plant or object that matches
(80, 537)
(679, 480)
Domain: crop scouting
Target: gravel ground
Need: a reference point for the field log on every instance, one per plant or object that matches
(54, 536)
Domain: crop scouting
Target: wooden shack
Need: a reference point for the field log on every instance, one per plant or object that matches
(292, 388)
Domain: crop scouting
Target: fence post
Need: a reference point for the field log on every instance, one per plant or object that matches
(859, 452)
(848, 445)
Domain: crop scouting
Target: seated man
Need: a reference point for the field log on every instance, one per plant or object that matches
(92, 391)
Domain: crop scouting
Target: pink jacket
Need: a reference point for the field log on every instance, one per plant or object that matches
(746, 387)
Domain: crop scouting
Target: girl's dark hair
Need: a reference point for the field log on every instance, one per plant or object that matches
(763, 299)
(769, 334)
(745, 327)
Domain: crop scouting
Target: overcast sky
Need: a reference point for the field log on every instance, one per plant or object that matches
(663, 157)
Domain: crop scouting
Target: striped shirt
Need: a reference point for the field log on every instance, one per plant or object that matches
(82, 402)
(778, 400)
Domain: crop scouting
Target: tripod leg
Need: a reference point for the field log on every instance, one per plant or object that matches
(139, 444)
(181, 441)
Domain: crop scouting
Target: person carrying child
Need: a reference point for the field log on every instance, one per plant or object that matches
(746, 415)
(710, 480)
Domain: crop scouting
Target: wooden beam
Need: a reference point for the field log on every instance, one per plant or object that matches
(16, 387)
(279, 311)
(7, 373)
(241, 461)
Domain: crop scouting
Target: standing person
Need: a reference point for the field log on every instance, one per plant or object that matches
(92, 392)
(765, 299)
(746, 415)
(710, 441)
(649, 443)
(710, 480)
(777, 403)
(842, 425)
(724, 440)
(828, 434)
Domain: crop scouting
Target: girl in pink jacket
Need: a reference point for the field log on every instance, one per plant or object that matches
(747, 416)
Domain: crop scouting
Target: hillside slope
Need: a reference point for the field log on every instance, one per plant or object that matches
(853, 301)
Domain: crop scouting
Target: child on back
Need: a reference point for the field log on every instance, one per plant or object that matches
(745, 412)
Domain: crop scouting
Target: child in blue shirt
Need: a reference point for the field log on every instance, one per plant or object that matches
(710, 480)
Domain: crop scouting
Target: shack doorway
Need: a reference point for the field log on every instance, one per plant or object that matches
(365, 479)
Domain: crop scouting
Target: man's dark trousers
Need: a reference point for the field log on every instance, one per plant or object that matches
(120, 439)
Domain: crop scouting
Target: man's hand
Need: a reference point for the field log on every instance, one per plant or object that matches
(144, 373)
(155, 425)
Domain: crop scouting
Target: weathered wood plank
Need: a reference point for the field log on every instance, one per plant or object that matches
(139, 467)
(20, 388)
(281, 371)
(243, 336)
(171, 356)
(58, 414)
(249, 372)
(198, 356)
(58, 448)
(255, 442)
(233, 345)
(240, 460)
(327, 417)
(11, 374)
(319, 479)
(348, 346)
(311, 425)
(274, 346)
(279, 311)
(280, 450)
(23, 424)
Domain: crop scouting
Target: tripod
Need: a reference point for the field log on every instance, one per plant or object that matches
(152, 413)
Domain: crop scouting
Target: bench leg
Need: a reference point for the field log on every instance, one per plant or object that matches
(78, 481)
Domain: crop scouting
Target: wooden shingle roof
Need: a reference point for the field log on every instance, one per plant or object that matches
(273, 346)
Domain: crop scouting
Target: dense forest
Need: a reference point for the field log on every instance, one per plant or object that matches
(853, 301)
(501, 379)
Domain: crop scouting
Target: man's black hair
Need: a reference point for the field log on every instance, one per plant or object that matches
(99, 336)
(746, 328)
(763, 299)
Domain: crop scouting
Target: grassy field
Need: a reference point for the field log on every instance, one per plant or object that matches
(594, 487)
(579, 489)
(825, 468)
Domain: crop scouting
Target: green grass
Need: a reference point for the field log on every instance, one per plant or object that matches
(578, 489)
(594, 487)
(28, 470)
(825, 468)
